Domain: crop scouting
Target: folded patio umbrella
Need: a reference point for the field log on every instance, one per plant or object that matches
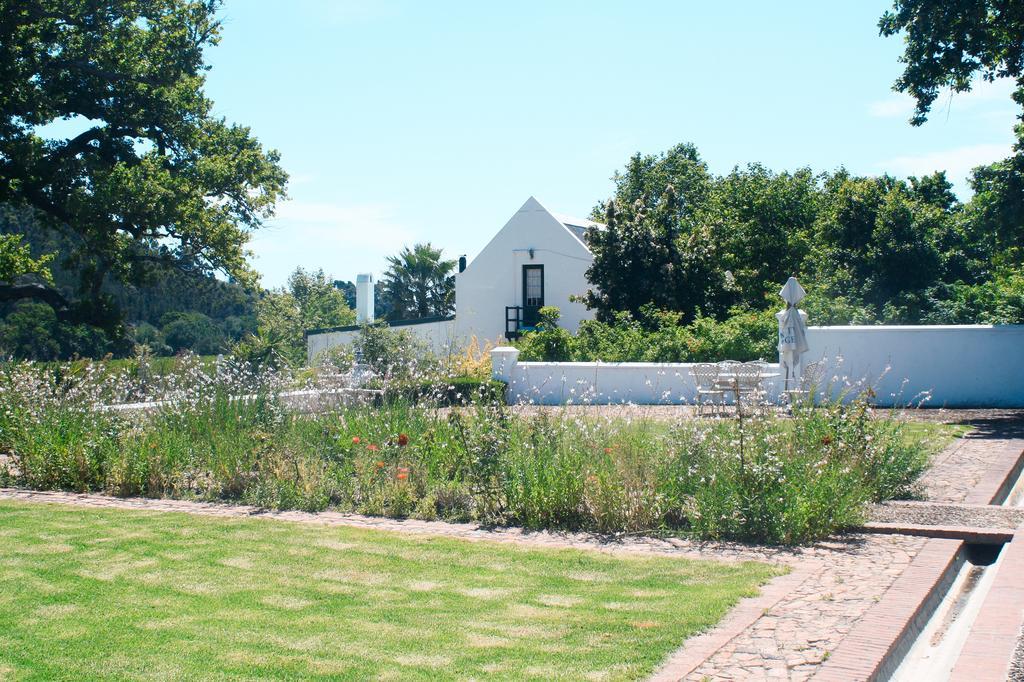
(792, 330)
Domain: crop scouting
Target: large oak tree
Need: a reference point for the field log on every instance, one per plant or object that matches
(107, 135)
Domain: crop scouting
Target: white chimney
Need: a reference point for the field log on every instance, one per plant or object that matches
(364, 298)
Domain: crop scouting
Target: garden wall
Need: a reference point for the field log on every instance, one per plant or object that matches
(957, 366)
(596, 383)
(438, 334)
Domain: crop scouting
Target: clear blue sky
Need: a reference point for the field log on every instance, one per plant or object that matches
(433, 121)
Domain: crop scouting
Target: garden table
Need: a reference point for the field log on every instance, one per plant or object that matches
(731, 381)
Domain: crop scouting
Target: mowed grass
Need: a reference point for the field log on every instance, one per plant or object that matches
(115, 594)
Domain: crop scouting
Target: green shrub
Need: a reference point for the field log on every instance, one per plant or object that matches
(763, 479)
(657, 336)
(451, 391)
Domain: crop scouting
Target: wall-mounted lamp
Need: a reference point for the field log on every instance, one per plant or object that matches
(531, 253)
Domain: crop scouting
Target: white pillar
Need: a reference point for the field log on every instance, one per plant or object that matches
(503, 362)
(364, 298)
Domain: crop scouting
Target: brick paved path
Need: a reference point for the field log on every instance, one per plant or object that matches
(785, 633)
(790, 640)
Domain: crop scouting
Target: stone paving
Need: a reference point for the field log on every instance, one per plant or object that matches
(957, 470)
(831, 587)
(792, 638)
(946, 513)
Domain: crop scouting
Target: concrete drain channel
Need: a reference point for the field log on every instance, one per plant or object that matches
(936, 649)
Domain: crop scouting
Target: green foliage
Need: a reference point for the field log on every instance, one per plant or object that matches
(16, 260)
(308, 301)
(394, 354)
(948, 44)
(867, 249)
(770, 480)
(656, 336)
(29, 332)
(997, 301)
(149, 178)
(452, 391)
(32, 331)
(192, 331)
(419, 282)
(548, 316)
(658, 246)
(320, 303)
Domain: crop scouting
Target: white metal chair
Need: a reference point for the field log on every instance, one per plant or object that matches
(810, 379)
(705, 376)
(748, 384)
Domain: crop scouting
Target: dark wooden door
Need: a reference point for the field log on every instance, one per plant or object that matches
(533, 293)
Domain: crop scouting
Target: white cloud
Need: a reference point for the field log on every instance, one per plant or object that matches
(957, 162)
(983, 94)
(343, 239)
(367, 225)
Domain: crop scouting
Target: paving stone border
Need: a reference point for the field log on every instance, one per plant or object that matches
(973, 534)
(947, 514)
(875, 647)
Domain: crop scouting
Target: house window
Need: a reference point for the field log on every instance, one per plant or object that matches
(533, 285)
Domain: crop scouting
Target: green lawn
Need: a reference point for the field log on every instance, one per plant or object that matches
(116, 594)
(934, 436)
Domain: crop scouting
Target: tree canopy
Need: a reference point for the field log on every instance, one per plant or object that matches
(949, 45)
(419, 282)
(309, 300)
(107, 136)
(868, 249)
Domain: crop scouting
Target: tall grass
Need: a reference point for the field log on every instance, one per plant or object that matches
(765, 479)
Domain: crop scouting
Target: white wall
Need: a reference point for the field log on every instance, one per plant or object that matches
(439, 336)
(494, 279)
(600, 383)
(958, 366)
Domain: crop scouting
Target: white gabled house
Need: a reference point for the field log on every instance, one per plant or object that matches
(539, 258)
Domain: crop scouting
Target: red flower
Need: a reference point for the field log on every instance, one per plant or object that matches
(372, 448)
(355, 440)
(380, 465)
(403, 439)
(607, 451)
(402, 475)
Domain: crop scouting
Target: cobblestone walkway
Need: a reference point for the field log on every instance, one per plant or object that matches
(790, 640)
(958, 470)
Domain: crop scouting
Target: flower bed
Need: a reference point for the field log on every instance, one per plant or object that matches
(771, 479)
